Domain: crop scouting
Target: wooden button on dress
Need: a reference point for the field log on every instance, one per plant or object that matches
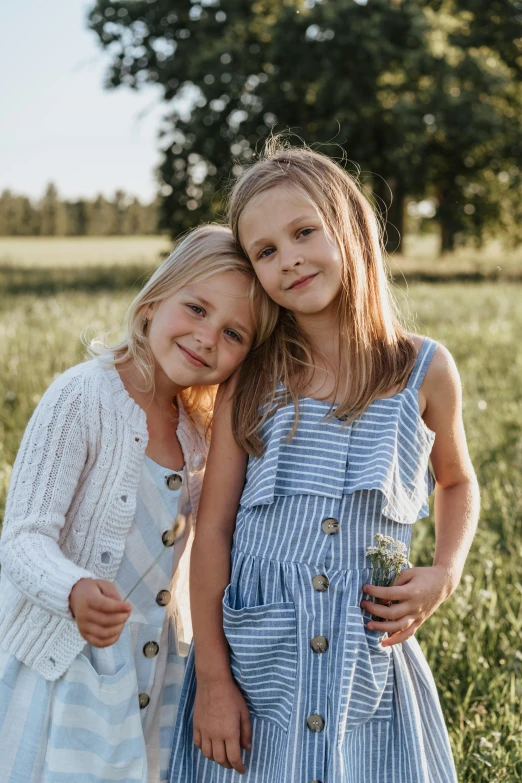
(174, 481)
(330, 526)
(320, 583)
(319, 644)
(168, 538)
(150, 649)
(315, 723)
(163, 598)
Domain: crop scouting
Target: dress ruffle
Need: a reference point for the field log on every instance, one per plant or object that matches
(387, 449)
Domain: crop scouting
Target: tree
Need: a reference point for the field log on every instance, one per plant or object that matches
(78, 217)
(265, 64)
(474, 119)
(100, 217)
(54, 217)
(366, 77)
(18, 217)
(52, 213)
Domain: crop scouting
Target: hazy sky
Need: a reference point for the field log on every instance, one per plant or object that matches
(57, 122)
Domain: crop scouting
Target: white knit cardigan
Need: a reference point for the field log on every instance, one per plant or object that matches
(71, 499)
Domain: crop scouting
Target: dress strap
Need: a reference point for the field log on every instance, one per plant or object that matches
(422, 363)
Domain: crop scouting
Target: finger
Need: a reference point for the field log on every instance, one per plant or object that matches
(197, 738)
(108, 588)
(206, 748)
(393, 612)
(402, 636)
(105, 620)
(234, 756)
(245, 730)
(97, 642)
(399, 593)
(102, 603)
(391, 627)
(102, 633)
(220, 754)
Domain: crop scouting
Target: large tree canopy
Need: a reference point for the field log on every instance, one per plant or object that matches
(422, 95)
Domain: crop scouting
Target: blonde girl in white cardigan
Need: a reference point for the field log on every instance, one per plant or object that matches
(100, 507)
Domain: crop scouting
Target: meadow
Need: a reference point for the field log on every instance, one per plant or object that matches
(48, 295)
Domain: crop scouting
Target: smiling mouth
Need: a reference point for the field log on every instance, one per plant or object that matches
(192, 357)
(302, 282)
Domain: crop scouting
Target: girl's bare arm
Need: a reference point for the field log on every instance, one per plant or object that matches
(419, 591)
(457, 497)
(221, 719)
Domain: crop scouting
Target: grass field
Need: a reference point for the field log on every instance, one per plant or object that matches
(473, 643)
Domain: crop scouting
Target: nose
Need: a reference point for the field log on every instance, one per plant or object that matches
(207, 335)
(290, 257)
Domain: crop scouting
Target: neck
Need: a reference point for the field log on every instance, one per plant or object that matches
(161, 399)
(322, 329)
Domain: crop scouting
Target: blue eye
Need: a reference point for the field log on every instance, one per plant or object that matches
(233, 334)
(268, 251)
(196, 309)
(305, 232)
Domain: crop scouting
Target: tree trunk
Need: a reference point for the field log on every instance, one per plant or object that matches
(447, 235)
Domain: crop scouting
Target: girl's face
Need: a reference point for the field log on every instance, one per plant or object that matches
(201, 334)
(296, 262)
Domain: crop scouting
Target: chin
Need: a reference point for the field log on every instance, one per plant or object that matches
(181, 376)
(311, 308)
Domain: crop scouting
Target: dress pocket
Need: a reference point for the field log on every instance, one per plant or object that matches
(263, 656)
(367, 681)
(95, 726)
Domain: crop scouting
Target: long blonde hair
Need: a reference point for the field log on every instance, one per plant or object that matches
(204, 251)
(378, 352)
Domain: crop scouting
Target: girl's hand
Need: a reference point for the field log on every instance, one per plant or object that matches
(222, 723)
(414, 597)
(99, 611)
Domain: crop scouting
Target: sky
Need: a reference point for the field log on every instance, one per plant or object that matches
(57, 122)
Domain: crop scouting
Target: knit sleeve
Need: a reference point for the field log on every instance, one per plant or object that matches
(45, 478)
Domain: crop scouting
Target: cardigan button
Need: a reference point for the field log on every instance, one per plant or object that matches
(151, 649)
(144, 700)
(174, 481)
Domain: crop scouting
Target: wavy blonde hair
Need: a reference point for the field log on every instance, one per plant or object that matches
(378, 352)
(204, 251)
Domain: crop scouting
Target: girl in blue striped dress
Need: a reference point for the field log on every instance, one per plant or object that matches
(295, 676)
(99, 512)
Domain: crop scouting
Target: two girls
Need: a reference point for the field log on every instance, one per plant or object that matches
(99, 511)
(320, 444)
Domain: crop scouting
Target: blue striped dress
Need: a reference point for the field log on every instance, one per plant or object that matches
(111, 716)
(328, 703)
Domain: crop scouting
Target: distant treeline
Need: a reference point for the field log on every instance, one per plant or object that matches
(52, 216)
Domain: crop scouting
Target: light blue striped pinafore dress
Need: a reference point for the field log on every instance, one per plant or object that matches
(328, 703)
(111, 716)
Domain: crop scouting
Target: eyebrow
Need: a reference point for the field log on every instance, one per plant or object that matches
(235, 324)
(264, 241)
